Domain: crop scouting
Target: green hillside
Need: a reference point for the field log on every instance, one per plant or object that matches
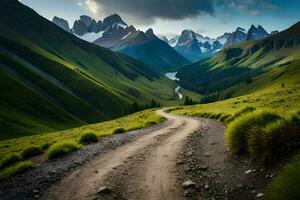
(51, 80)
(247, 67)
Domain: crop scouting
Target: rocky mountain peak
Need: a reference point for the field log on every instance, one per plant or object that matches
(111, 20)
(62, 23)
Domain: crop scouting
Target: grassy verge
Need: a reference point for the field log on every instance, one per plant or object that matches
(62, 148)
(131, 122)
(18, 168)
(285, 101)
(286, 185)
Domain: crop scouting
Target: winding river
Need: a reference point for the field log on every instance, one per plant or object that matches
(172, 76)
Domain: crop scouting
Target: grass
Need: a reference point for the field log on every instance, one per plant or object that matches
(18, 168)
(242, 128)
(88, 138)
(130, 122)
(286, 185)
(99, 83)
(274, 141)
(62, 148)
(119, 130)
(9, 159)
(31, 151)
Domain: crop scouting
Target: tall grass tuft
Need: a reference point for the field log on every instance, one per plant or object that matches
(31, 151)
(18, 168)
(238, 131)
(88, 138)
(286, 185)
(119, 131)
(62, 148)
(10, 159)
(275, 140)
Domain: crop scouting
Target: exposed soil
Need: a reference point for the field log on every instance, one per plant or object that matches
(183, 158)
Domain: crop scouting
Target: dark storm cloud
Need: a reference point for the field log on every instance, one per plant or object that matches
(147, 11)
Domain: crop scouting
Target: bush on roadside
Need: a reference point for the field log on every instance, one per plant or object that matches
(10, 160)
(88, 138)
(31, 151)
(119, 131)
(286, 184)
(62, 148)
(275, 140)
(238, 131)
(18, 168)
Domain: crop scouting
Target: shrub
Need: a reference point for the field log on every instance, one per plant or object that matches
(119, 130)
(88, 138)
(46, 146)
(286, 185)
(18, 168)
(62, 148)
(275, 140)
(31, 151)
(239, 130)
(9, 160)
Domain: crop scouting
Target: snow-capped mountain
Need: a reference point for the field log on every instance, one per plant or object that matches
(241, 35)
(256, 33)
(115, 34)
(238, 36)
(194, 46)
(60, 22)
(89, 29)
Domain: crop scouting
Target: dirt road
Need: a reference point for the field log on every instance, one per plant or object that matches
(155, 178)
(182, 158)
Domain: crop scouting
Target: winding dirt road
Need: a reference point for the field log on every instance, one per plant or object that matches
(142, 169)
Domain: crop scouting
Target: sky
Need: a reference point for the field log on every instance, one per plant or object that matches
(170, 17)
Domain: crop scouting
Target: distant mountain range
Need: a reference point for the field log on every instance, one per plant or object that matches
(249, 66)
(115, 34)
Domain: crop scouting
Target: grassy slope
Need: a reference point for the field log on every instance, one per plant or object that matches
(51, 80)
(274, 68)
(247, 67)
(130, 122)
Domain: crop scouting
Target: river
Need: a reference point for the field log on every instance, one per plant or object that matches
(172, 76)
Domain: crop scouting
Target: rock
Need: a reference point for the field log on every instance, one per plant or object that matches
(259, 195)
(35, 191)
(188, 184)
(104, 190)
(248, 172)
(206, 186)
(204, 167)
(207, 154)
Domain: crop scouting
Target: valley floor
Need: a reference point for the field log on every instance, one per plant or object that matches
(182, 158)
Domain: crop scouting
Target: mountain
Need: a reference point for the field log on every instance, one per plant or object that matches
(164, 38)
(62, 23)
(240, 35)
(115, 34)
(195, 46)
(145, 46)
(246, 67)
(113, 20)
(256, 33)
(52, 80)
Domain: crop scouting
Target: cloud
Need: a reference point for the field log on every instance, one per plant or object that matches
(251, 7)
(92, 6)
(148, 11)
